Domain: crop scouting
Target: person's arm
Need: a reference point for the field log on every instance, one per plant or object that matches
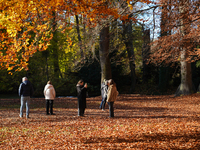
(80, 89)
(109, 94)
(20, 89)
(54, 92)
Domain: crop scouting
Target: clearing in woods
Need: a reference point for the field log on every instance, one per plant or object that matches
(140, 122)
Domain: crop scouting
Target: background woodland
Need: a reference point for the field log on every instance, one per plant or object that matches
(147, 47)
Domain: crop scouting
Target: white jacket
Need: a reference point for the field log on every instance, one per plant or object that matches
(49, 92)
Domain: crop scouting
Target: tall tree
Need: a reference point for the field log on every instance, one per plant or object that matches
(178, 47)
(128, 40)
(79, 36)
(54, 47)
(186, 86)
(145, 54)
(164, 69)
(104, 54)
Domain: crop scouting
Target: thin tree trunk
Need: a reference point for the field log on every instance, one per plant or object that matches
(79, 36)
(164, 70)
(54, 47)
(145, 54)
(130, 51)
(163, 77)
(104, 54)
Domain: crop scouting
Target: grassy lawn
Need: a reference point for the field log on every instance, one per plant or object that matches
(140, 122)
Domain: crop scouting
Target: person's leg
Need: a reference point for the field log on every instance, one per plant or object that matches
(47, 106)
(79, 111)
(111, 109)
(104, 103)
(27, 106)
(101, 103)
(83, 111)
(51, 107)
(21, 107)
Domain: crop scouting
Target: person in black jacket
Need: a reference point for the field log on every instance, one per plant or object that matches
(81, 95)
(25, 92)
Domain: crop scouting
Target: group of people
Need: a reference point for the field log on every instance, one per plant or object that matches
(108, 90)
(26, 92)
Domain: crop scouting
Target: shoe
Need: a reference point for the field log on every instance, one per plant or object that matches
(47, 114)
(103, 109)
(27, 117)
(20, 116)
(53, 114)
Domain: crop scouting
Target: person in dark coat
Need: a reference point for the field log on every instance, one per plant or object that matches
(81, 95)
(25, 92)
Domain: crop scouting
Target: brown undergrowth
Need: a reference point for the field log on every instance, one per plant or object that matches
(140, 122)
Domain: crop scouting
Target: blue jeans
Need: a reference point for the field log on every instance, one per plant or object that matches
(103, 103)
(25, 100)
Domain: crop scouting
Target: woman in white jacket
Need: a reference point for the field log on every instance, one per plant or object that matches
(50, 94)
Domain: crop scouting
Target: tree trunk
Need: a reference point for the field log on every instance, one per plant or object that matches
(130, 51)
(54, 48)
(104, 54)
(164, 70)
(163, 77)
(186, 86)
(145, 55)
(79, 36)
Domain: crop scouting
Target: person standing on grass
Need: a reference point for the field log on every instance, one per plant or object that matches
(25, 92)
(111, 96)
(81, 96)
(50, 94)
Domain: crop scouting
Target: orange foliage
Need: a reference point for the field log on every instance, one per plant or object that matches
(19, 20)
(179, 31)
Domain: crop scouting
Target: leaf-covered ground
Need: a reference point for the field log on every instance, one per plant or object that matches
(140, 122)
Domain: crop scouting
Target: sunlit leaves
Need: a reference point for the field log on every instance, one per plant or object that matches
(26, 25)
(178, 31)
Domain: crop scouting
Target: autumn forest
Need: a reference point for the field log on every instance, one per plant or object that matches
(150, 48)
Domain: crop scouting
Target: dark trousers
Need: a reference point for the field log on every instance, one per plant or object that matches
(104, 103)
(49, 104)
(81, 111)
(111, 109)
